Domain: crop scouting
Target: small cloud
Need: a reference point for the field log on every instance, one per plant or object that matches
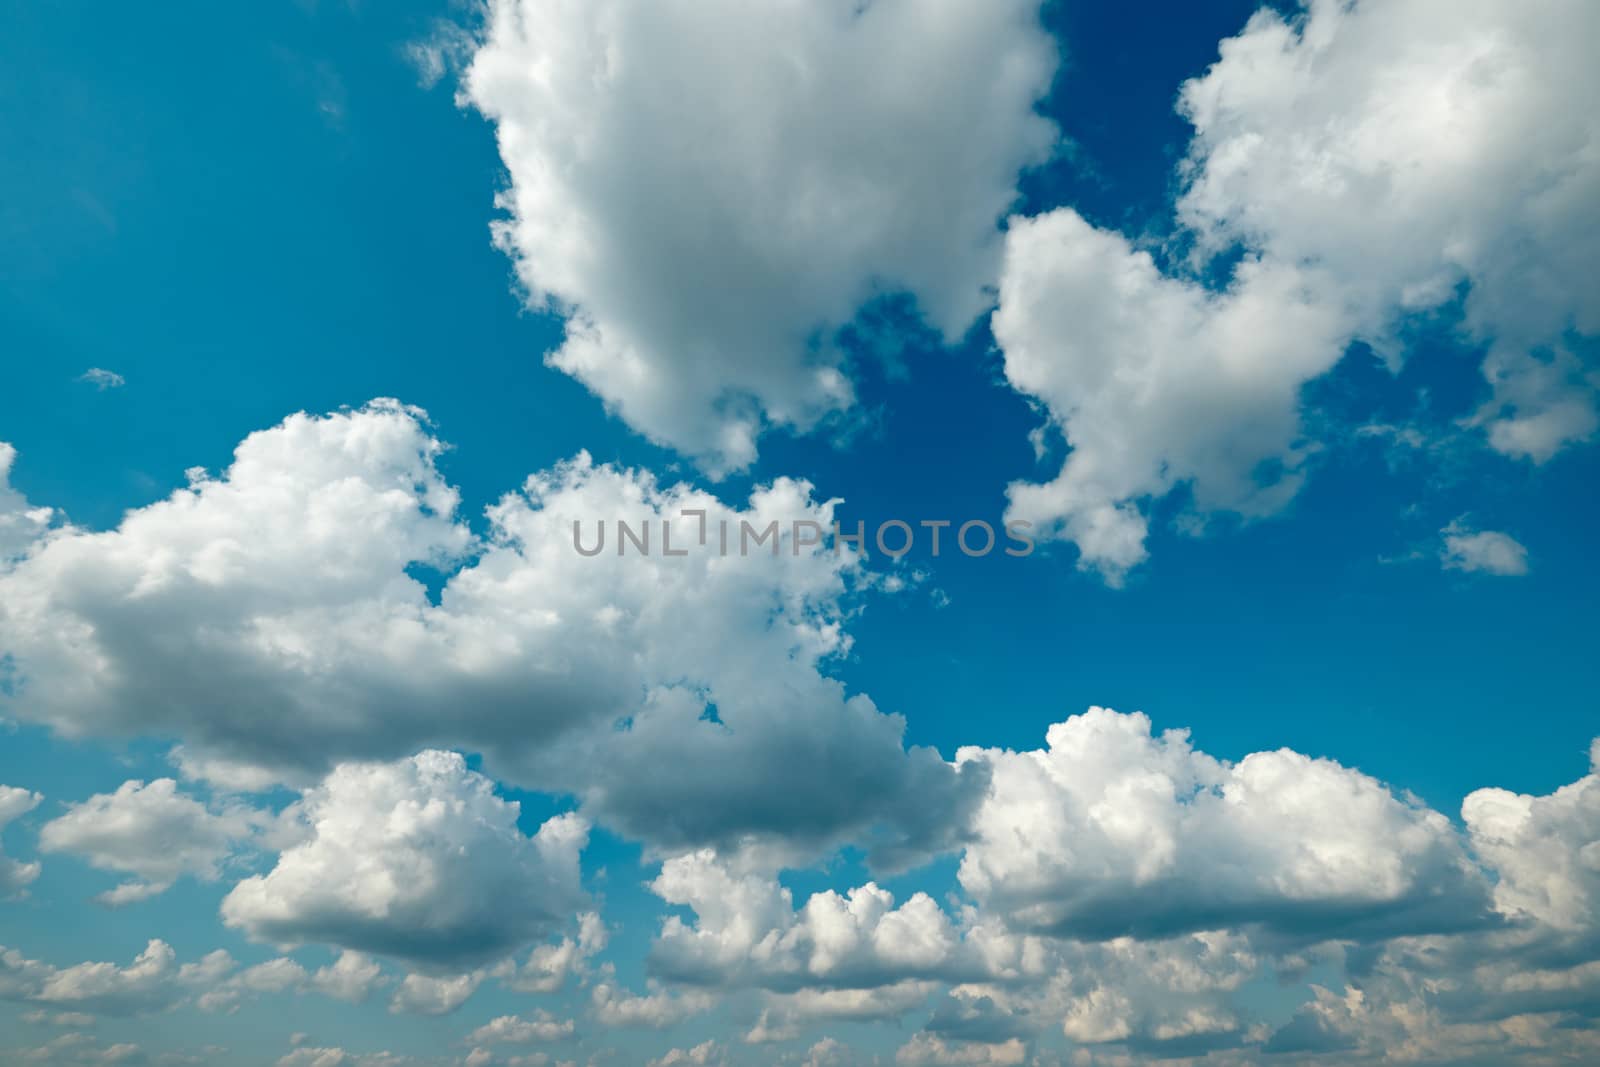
(102, 379)
(1489, 551)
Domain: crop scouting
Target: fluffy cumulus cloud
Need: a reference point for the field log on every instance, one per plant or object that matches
(1125, 892)
(1066, 936)
(149, 983)
(153, 832)
(351, 978)
(1372, 161)
(710, 190)
(1155, 381)
(1489, 551)
(858, 956)
(1118, 891)
(1526, 990)
(418, 860)
(1545, 850)
(427, 994)
(1413, 149)
(224, 585)
(656, 1009)
(15, 876)
(268, 618)
(747, 931)
(1112, 830)
(1172, 996)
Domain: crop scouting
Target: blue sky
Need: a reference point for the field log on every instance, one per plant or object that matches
(248, 213)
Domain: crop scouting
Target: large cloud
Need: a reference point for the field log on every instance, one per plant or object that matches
(418, 860)
(1119, 890)
(1125, 891)
(268, 619)
(1413, 148)
(1302, 870)
(1111, 830)
(1372, 162)
(859, 956)
(150, 831)
(709, 189)
(1155, 381)
(255, 614)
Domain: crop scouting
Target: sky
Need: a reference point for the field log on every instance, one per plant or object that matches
(1269, 332)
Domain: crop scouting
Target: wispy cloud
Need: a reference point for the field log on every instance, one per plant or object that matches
(103, 379)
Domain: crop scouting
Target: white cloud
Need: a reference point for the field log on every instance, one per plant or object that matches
(1488, 551)
(1411, 148)
(1112, 831)
(1373, 161)
(1283, 854)
(21, 524)
(156, 982)
(710, 189)
(148, 984)
(786, 1014)
(1121, 889)
(226, 585)
(748, 932)
(1544, 850)
(1002, 986)
(515, 1030)
(1518, 992)
(81, 1048)
(548, 967)
(707, 1052)
(150, 831)
(1155, 382)
(19, 975)
(418, 860)
(309, 1056)
(1499, 997)
(267, 619)
(424, 994)
(102, 379)
(16, 876)
(350, 978)
(928, 1050)
(828, 1053)
(658, 1009)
